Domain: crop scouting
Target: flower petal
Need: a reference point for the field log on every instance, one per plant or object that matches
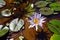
(35, 15)
(40, 24)
(38, 16)
(31, 22)
(31, 26)
(31, 17)
(43, 18)
(36, 27)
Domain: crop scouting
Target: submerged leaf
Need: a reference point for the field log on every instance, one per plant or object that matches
(29, 8)
(54, 26)
(29, 14)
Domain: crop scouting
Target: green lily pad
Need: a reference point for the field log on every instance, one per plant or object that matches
(3, 31)
(41, 3)
(46, 11)
(48, 0)
(29, 8)
(55, 6)
(54, 26)
(55, 37)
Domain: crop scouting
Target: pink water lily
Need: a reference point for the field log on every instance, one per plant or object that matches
(36, 20)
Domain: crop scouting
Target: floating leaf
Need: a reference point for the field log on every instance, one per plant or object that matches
(16, 25)
(2, 3)
(21, 37)
(55, 37)
(6, 12)
(46, 11)
(54, 26)
(3, 31)
(41, 3)
(55, 6)
(49, 0)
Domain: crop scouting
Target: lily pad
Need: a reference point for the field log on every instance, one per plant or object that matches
(2, 3)
(55, 6)
(41, 3)
(48, 0)
(16, 25)
(46, 11)
(6, 12)
(21, 37)
(55, 37)
(3, 31)
(54, 26)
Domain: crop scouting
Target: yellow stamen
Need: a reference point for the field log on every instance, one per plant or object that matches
(36, 21)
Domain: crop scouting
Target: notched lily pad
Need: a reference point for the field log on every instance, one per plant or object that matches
(46, 11)
(16, 25)
(6, 12)
(55, 6)
(48, 0)
(21, 37)
(41, 3)
(54, 26)
(3, 31)
(2, 3)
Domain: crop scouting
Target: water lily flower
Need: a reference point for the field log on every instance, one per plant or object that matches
(16, 25)
(36, 20)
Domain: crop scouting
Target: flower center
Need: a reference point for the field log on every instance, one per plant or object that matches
(36, 21)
